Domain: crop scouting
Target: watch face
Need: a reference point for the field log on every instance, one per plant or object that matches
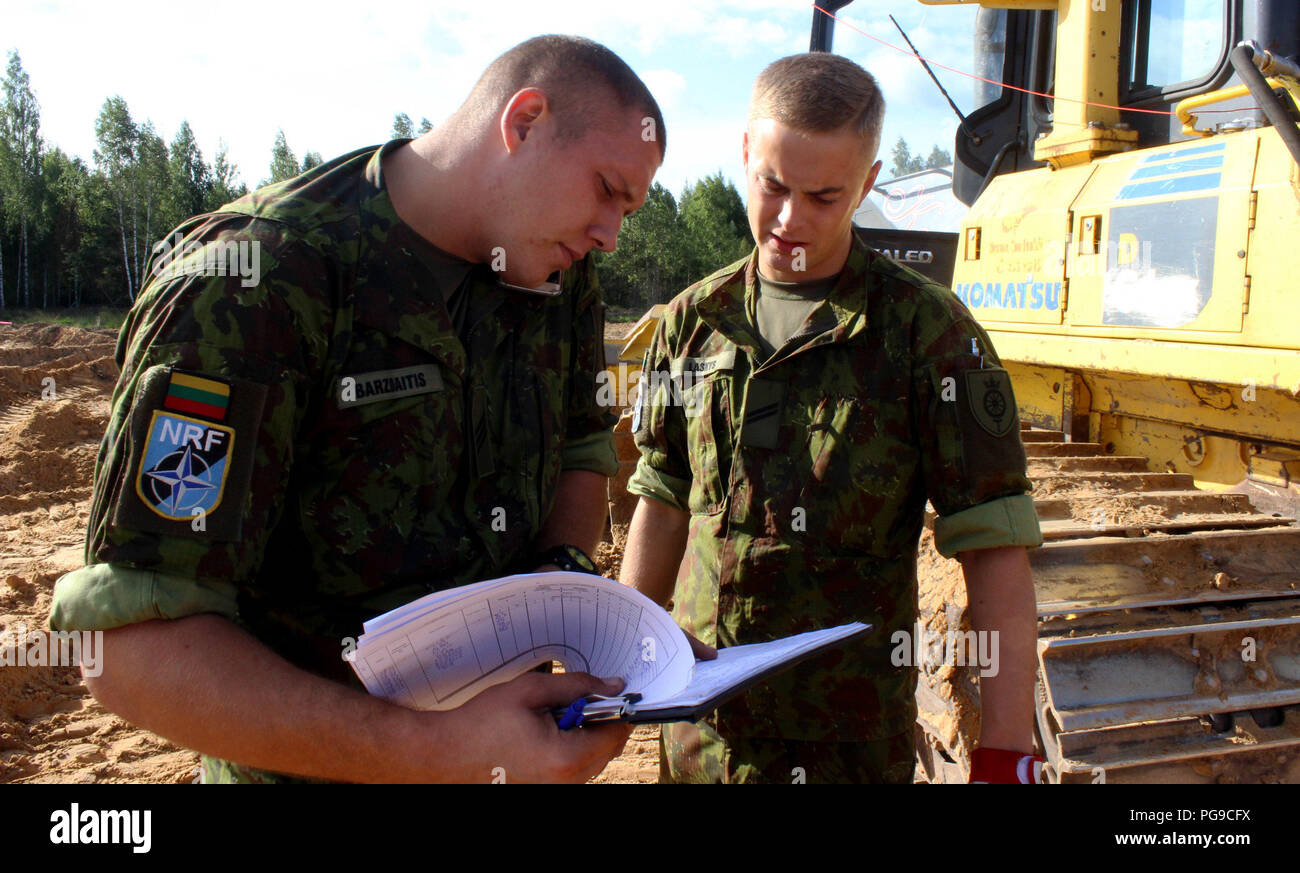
(578, 557)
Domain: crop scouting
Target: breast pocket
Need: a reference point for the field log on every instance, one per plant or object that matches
(706, 405)
(862, 473)
(386, 454)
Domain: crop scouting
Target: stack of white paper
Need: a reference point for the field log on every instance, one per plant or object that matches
(441, 650)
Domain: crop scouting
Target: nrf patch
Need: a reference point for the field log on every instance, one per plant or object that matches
(185, 466)
(190, 449)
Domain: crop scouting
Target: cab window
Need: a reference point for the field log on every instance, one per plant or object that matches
(1174, 42)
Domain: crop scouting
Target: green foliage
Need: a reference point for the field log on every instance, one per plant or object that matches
(716, 223)
(938, 158)
(65, 221)
(153, 174)
(402, 127)
(76, 235)
(21, 191)
(283, 164)
(226, 186)
(191, 181)
(73, 235)
(118, 137)
(647, 266)
(670, 243)
(20, 130)
(92, 318)
(905, 162)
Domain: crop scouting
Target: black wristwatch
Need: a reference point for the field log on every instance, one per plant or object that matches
(566, 557)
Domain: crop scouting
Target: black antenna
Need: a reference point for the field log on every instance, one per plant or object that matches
(970, 133)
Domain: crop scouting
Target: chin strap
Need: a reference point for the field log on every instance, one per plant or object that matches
(1003, 767)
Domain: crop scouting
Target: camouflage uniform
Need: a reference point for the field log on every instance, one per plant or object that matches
(806, 478)
(375, 419)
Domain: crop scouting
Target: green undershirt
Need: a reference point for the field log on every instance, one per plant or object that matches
(783, 307)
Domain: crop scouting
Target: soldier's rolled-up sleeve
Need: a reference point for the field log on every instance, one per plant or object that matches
(1003, 521)
(103, 596)
(972, 454)
(185, 501)
(663, 472)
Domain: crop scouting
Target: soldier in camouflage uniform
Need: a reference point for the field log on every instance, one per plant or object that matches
(789, 446)
(381, 411)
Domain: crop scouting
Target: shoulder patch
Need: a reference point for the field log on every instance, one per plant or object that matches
(185, 466)
(190, 471)
(988, 393)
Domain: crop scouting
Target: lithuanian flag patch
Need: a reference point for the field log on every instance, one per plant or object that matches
(197, 395)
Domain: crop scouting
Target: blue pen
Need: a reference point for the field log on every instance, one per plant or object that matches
(574, 714)
(572, 717)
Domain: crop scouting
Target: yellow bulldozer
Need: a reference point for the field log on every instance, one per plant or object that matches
(1133, 176)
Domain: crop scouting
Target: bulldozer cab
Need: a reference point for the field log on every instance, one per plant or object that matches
(1133, 178)
(1166, 51)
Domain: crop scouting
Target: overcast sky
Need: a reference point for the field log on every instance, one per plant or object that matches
(333, 75)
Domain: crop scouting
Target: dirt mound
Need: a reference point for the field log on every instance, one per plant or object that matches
(43, 362)
(55, 385)
(55, 382)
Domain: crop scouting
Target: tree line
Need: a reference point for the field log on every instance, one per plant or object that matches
(671, 242)
(74, 234)
(905, 162)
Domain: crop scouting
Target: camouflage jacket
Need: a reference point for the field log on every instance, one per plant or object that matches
(303, 449)
(806, 477)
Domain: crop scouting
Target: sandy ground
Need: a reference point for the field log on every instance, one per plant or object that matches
(55, 385)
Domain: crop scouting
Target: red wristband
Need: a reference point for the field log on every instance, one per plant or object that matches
(1003, 767)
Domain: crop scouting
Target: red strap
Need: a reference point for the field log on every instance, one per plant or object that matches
(1003, 767)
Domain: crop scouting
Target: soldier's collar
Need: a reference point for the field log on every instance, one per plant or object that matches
(848, 299)
(723, 305)
(379, 217)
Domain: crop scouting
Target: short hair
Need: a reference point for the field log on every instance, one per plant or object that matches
(570, 70)
(819, 92)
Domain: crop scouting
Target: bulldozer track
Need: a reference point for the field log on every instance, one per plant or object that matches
(1168, 626)
(22, 412)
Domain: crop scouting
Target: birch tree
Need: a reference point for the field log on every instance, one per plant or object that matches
(20, 163)
(117, 136)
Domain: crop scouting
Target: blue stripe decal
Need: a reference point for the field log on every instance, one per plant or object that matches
(1173, 167)
(1182, 153)
(1169, 186)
